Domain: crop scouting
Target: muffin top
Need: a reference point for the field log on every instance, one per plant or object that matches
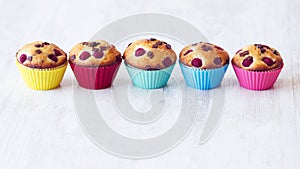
(41, 55)
(204, 55)
(149, 54)
(94, 53)
(257, 57)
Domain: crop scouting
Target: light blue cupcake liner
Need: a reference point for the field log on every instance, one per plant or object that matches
(203, 79)
(149, 79)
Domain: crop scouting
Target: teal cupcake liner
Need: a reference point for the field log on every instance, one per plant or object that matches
(149, 79)
(203, 79)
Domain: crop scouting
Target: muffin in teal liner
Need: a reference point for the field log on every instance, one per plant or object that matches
(203, 79)
(203, 65)
(149, 79)
(149, 63)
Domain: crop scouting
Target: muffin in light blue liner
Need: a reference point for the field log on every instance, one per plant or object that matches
(149, 63)
(203, 79)
(203, 65)
(149, 79)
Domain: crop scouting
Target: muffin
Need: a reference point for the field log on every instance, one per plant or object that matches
(257, 66)
(149, 62)
(42, 65)
(203, 65)
(95, 64)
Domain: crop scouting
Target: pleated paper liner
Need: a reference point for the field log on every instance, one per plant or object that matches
(257, 80)
(95, 78)
(149, 79)
(42, 79)
(203, 79)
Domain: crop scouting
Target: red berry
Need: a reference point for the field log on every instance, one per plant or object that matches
(84, 55)
(23, 58)
(268, 61)
(218, 61)
(140, 52)
(248, 61)
(197, 62)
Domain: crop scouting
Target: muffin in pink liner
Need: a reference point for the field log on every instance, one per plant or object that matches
(257, 66)
(95, 64)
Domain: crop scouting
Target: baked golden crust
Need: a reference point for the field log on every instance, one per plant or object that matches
(149, 54)
(204, 55)
(41, 55)
(94, 53)
(257, 57)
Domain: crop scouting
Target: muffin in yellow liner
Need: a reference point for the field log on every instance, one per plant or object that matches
(42, 65)
(42, 79)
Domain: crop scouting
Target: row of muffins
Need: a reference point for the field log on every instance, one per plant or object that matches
(149, 63)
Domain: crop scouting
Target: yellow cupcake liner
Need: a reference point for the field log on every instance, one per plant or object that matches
(42, 79)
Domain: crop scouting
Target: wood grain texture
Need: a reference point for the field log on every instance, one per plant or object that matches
(39, 129)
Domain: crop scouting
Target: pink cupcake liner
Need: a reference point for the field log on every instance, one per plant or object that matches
(257, 80)
(95, 77)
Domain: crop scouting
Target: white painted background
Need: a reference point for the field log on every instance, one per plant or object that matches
(39, 129)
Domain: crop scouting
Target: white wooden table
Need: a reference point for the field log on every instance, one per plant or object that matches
(39, 129)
